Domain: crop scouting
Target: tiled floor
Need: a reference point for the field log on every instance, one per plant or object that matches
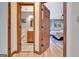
(24, 45)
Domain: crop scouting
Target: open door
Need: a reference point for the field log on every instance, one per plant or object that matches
(44, 28)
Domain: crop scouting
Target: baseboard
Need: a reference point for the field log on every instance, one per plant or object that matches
(14, 53)
(37, 52)
(3, 55)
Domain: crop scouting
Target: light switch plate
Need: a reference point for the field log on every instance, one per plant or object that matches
(77, 18)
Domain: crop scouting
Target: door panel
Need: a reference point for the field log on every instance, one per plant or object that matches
(45, 28)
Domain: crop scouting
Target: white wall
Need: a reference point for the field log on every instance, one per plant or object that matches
(27, 15)
(13, 26)
(3, 27)
(56, 9)
(36, 26)
(69, 28)
(72, 29)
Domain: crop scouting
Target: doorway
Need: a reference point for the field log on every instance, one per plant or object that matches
(58, 27)
(27, 28)
(25, 24)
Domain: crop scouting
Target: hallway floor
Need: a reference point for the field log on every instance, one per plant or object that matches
(53, 51)
(24, 45)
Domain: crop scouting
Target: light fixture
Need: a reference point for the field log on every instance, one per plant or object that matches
(30, 17)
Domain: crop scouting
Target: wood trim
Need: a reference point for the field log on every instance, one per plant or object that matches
(34, 25)
(40, 18)
(65, 28)
(14, 53)
(25, 3)
(37, 52)
(18, 19)
(18, 28)
(9, 29)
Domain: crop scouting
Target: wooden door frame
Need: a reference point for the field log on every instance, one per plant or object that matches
(9, 29)
(65, 29)
(18, 19)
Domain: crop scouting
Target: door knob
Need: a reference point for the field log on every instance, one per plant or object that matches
(42, 45)
(41, 26)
